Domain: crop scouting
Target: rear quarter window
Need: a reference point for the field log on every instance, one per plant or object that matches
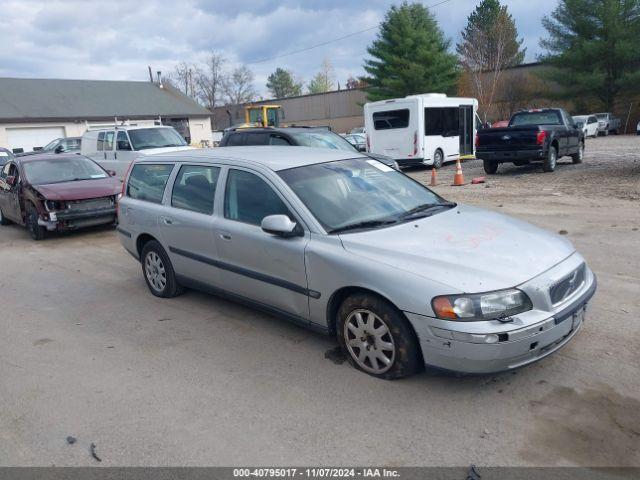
(235, 139)
(391, 119)
(147, 182)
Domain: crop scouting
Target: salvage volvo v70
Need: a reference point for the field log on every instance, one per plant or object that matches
(347, 245)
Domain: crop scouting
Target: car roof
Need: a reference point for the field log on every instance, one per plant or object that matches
(280, 129)
(128, 127)
(272, 157)
(46, 156)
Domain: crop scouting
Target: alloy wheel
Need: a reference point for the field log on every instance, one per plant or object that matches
(369, 341)
(155, 271)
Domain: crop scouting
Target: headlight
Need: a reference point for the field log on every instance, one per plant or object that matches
(52, 206)
(481, 306)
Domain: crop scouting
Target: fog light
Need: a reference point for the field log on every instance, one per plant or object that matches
(491, 338)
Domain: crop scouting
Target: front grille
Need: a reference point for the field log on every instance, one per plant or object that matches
(92, 204)
(568, 285)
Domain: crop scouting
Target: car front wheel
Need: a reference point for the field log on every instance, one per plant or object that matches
(377, 338)
(158, 271)
(579, 155)
(3, 220)
(549, 164)
(37, 232)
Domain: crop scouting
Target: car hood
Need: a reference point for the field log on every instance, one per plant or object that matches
(80, 190)
(153, 151)
(466, 248)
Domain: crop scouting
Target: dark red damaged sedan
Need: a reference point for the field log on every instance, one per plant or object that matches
(50, 192)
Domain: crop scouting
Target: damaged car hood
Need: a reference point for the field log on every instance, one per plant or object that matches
(79, 190)
(467, 248)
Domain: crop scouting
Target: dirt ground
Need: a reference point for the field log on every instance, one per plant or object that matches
(86, 351)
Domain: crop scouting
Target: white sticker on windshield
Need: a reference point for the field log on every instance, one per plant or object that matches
(380, 166)
(99, 175)
(4, 154)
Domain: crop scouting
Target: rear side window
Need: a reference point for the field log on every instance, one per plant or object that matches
(278, 140)
(249, 199)
(256, 139)
(195, 188)
(100, 141)
(108, 141)
(235, 139)
(442, 121)
(391, 119)
(147, 182)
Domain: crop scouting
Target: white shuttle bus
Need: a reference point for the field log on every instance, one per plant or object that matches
(427, 129)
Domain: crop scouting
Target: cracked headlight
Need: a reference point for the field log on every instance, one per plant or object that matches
(52, 205)
(481, 306)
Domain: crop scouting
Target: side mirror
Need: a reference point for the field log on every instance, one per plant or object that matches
(279, 225)
(59, 149)
(112, 173)
(361, 148)
(11, 180)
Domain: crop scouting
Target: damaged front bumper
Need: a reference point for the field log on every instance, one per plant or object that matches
(492, 346)
(72, 220)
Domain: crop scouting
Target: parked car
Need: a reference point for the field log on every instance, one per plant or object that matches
(59, 145)
(428, 129)
(588, 124)
(317, 137)
(358, 130)
(56, 192)
(500, 124)
(607, 124)
(357, 140)
(5, 155)
(541, 135)
(358, 250)
(115, 148)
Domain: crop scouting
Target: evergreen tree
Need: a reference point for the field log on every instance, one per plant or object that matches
(281, 84)
(409, 56)
(595, 47)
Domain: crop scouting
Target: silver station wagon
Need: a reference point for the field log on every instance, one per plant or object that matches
(348, 246)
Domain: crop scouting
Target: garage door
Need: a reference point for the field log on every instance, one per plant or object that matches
(29, 137)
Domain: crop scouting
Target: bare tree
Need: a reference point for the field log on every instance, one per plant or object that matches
(211, 80)
(184, 77)
(239, 86)
(323, 80)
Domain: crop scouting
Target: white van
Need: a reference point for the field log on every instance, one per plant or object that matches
(427, 129)
(115, 148)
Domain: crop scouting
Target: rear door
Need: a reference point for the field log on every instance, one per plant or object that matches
(254, 264)
(9, 194)
(394, 131)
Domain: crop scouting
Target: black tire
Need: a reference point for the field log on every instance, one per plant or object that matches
(37, 232)
(166, 287)
(4, 220)
(490, 167)
(549, 164)
(579, 156)
(438, 159)
(404, 356)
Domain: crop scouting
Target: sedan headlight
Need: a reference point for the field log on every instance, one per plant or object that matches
(481, 306)
(52, 205)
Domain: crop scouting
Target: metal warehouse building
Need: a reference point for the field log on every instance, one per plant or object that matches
(35, 111)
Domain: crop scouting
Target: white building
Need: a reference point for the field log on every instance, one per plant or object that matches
(35, 111)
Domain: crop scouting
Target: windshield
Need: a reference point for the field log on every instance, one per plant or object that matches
(550, 117)
(58, 170)
(359, 192)
(51, 145)
(144, 138)
(601, 116)
(324, 139)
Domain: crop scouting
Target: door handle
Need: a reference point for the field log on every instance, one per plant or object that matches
(166, 221)
(225, 236)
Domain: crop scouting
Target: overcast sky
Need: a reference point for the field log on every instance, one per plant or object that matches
(117, 39)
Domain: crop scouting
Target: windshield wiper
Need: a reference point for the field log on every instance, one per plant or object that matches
(365, 224)
(425, 207)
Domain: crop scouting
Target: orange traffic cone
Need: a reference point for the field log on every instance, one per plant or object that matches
(458, 178)
(434, 179)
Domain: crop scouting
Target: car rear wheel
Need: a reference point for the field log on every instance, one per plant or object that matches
(158, 271)
(438, 159)
(37, 232)
(549, 164)
(377, 338)
(490, 167)
(577, 157)
(3, 220)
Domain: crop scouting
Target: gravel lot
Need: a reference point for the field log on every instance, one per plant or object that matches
(86, 351)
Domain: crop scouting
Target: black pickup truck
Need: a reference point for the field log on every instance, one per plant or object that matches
(542, 135)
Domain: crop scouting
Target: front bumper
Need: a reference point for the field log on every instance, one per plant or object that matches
(456, 346)
(70, 220)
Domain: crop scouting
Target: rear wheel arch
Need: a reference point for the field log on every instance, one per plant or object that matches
(142, 240)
